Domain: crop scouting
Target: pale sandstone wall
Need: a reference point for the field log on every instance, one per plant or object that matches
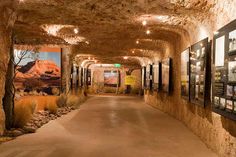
(218, 132)
(7, 16)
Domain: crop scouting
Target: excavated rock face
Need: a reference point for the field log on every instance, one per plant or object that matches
(112, 27)
(7, 16)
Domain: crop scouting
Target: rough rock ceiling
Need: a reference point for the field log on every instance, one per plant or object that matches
(109, 27)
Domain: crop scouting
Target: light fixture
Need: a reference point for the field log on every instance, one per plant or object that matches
(148, 32)
(87, 42)
(137, 42)
(125, 57)
(21, 0)
(76, 31)
(133, 51)
(216, 32)
(144, 22)
(89, 58)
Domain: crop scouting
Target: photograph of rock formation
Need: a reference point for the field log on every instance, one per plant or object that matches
(38, 73)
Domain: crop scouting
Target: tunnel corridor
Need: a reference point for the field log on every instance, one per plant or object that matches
(118, 78)
(110, 126)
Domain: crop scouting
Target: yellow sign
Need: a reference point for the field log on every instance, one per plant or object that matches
(129, 80)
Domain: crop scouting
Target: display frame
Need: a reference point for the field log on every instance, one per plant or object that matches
(156, 85)
(118, 77)
(148, 84)
(167, 62)
(187, 94)
(199, 65)
(222, 75)
(143, 78)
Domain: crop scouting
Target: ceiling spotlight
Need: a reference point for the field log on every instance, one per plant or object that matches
(125, 57)
(148, 32)
(21, 0)
(133, 51)
(89, 58)
(144, 23)
(137, 42)
(87, 42)
(215, 33)
(76, 31)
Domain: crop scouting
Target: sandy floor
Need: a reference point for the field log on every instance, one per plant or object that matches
(109, 126)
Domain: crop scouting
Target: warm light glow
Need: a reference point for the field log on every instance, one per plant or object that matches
(89, 58)
(137, 42)
(133, 51)
(76, 31)
(21, 0)
(148, 32)
(201, 45)
(125, 57)
(216, 32)
(144, 23)
(86, 42)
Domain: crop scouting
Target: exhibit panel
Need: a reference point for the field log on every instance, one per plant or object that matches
(37, 71)
(143, 77)
(111, 78)
(149, 69)
(224, 71)
(166, 68)
(198, 64)
(185, 74)
(156, 76)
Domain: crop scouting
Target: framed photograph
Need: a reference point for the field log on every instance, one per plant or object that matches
(232, 41)
(143, 77)
(220, 51)
(166, 72)
(222, 103)
(229, 105)
(234, 107)
(111, 78)
(232, 71)
(203, 52)
(156, 76)
(38, 71)
(216, 101)
(185, 73)
(230, 91)
(198, 53)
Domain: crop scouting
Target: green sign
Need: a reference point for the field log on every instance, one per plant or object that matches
(117, 65)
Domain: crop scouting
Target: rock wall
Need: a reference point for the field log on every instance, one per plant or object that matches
(8, 17)
(217, 132)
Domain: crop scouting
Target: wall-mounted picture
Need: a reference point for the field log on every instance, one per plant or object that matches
(229, 105)
(232, 71)
(216, 101)
(220, 51)
(222, 103)
(111, 78)
(148, 75)
(229, 91)
(156, 75)
(232, 41)
(166, 71)
(143, 77)
(38, 71)
(185, 73)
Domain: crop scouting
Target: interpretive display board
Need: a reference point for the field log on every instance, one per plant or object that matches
(166, 74)
(143, 77)
(149, 69)
(224, 71)
(198, 63)
(156, 76)
(38, 71)
(111, 78)
(185, 76)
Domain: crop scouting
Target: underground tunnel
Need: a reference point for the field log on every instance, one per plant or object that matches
(118, 78)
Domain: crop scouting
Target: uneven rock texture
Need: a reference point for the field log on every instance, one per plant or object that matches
(217, 132)
(8, 17)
